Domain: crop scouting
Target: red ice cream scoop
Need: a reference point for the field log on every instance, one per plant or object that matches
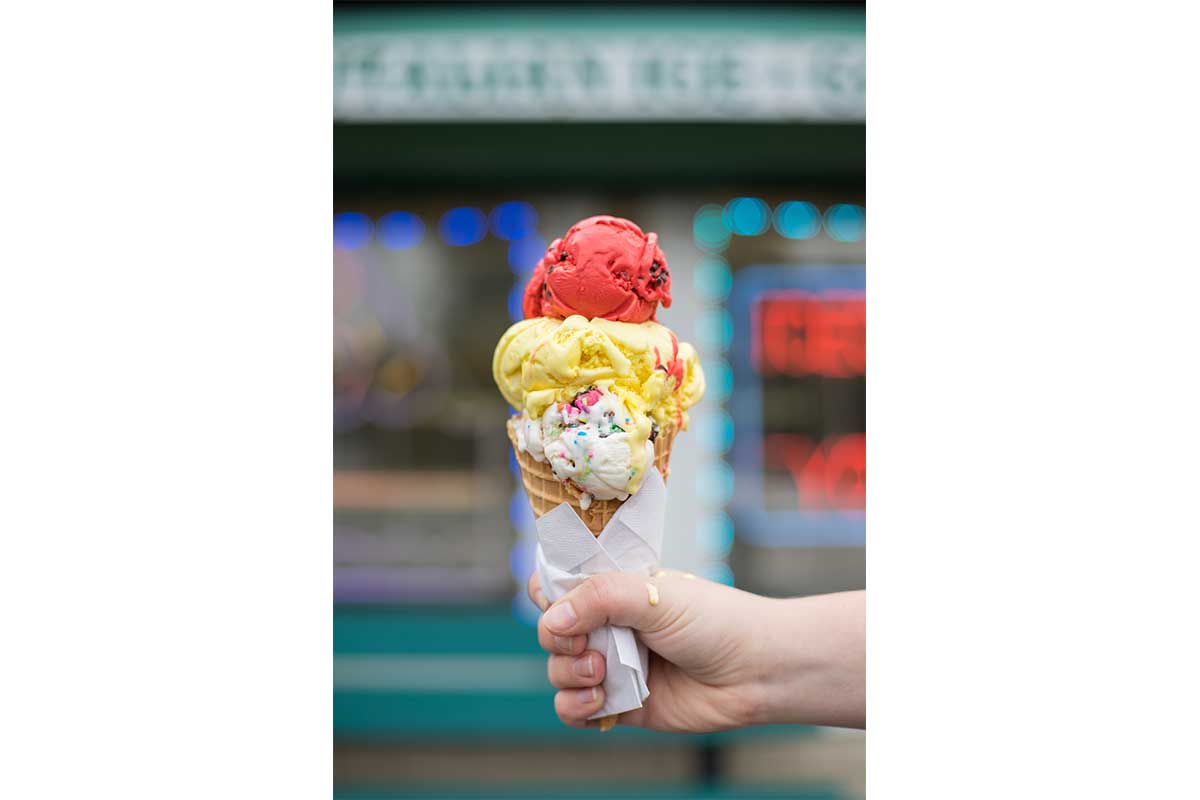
(604, 267)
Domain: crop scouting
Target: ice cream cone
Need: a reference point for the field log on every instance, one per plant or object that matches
(545, 491)
(590, 358)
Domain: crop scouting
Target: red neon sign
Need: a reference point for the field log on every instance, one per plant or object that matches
(831, 474)
(798, 333)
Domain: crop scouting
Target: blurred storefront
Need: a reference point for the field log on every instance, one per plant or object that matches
(465, 140)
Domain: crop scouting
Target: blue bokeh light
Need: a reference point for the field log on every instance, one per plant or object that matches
(520, 514)
(714, 330)
(714, 536)
(708, 228)
(713, 279)
(513, 465)
(746, 216)
(516, 297)
(521, 561)
(797, 220)
(400, 230)
(714, 484)
(525, 253)
(523, 609)
(513, 220)
(718, 573)
(351, 230)
(462, 226)
(845, 222)
(718, 379)
(714, 430)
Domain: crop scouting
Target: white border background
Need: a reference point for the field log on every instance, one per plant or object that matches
(167, 448)
(1032, 405)
(1032, 414)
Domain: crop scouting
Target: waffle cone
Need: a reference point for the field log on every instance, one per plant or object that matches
(545, 491)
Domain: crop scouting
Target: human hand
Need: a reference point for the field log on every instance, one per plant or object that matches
(720, 658)
(701, 638)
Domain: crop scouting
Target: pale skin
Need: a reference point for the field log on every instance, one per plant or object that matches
(720, 658)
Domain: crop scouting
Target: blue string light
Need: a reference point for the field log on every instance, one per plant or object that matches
(746, 216)
(718, 573)
(715, 483)
(524, 254)
(400, 230)
(714, 536)
(713, 279)
(523, 609)
(708, 228)
(845, 222)
(723, 433)
(519, 512)
(521, 561)
(797, 220)
(715, 429)
(462, 226)
(712, 229)
(718, 378)
(714, 330)
(351, 230)
(513, 220)
(516, 298)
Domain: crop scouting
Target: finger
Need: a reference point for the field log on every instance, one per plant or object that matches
(573, 672)
(563, 645)
(534, 587)
(574, 706)
(618, 598)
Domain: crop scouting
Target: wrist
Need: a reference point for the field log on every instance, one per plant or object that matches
(810, 658)
(777, 662)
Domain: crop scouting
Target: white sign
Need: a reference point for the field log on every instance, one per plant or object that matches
(515, 75)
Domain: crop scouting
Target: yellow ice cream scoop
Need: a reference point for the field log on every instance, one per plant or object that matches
(540, 361)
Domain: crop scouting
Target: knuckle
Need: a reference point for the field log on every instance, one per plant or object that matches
(604, 592)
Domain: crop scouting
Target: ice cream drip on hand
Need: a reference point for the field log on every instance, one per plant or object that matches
(587, 442)
(604, 267)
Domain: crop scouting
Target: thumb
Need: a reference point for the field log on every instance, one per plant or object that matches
(616, 598)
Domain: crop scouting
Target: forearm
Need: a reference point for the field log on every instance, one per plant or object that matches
(812, 655)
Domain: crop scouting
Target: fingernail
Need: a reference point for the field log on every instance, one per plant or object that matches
(588, 696)
(539, 597)
(583, 667)
(565, 643)
(561, 617)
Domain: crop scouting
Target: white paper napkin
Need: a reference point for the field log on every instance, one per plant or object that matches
(568, 553)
